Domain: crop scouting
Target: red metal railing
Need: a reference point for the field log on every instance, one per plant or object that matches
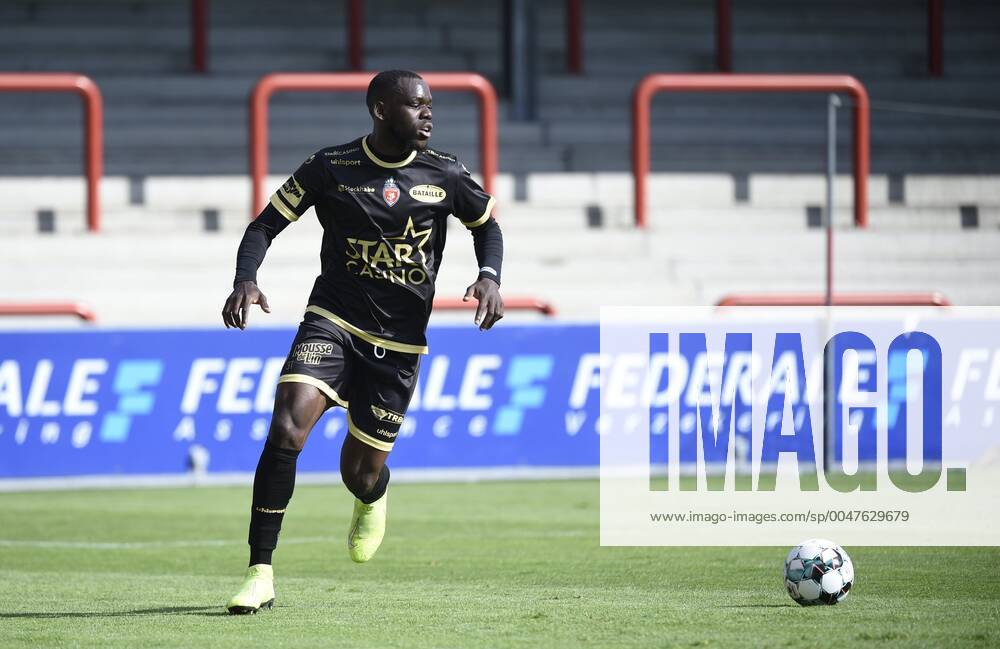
(76, 309)
(656, 83)
(356, 34)
(839, 299)
(574, 36)
(199, 36)
(509, 304)
(93, 124)
(358, 81)
(935, 37)
(723, 36)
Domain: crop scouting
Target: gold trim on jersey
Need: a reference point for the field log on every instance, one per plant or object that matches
(482, 219)
(313, 381)
(365, 437)
(391, 345)
(283, 209)
(382, 163)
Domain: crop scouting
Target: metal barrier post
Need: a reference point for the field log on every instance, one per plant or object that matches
(723, 36)
(199, 35)
(93, 124)
(574, 36)
(509, 304)
(839, 299)
(831, 171)
(935, 37)
(355, 34)
(358, 81)
(656, 83)
(75, 309)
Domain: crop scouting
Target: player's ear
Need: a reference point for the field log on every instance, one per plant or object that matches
(378, 110)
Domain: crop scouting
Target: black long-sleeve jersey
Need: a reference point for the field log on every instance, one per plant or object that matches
(384, 226)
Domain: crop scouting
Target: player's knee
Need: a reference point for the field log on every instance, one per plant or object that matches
(359, 482)
(285, 433)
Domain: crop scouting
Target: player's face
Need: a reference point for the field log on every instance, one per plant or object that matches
(408, 113)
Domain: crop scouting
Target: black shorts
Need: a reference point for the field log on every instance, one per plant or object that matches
(374, 384)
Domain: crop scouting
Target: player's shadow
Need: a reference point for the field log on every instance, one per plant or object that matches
(167, 610)
(754, 606)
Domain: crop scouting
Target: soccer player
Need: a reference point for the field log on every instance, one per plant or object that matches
(383, 201)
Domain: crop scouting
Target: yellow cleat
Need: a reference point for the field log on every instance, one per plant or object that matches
(256, 593)
(367, 529)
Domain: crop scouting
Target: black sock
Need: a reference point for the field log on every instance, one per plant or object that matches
(379, 489)
(273, 485)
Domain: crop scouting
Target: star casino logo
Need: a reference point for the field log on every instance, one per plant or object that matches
(399, 260)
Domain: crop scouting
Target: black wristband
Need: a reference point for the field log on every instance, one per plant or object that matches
(483, 274)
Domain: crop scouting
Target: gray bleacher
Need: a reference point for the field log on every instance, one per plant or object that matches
(163, 119)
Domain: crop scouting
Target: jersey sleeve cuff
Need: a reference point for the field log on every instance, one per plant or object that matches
(485, 216)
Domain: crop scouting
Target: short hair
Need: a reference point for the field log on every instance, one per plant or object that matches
(386, 82)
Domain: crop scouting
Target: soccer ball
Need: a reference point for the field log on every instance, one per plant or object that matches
(818, 571)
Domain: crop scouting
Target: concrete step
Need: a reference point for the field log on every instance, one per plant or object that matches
(298, 247)
(910, 272)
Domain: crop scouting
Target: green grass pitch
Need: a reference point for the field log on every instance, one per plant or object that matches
(463, 565)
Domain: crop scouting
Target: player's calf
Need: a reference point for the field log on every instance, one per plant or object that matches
(370, 512)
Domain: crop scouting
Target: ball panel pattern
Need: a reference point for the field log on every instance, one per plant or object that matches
(818, 571)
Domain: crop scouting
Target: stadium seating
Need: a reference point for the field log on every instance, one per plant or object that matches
(736, 177)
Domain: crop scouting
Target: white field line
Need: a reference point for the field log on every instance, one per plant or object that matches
(214, 543)
(147, 545)
(399, 476)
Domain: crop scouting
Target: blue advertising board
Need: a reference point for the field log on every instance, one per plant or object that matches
(128, 402)
(139, 402)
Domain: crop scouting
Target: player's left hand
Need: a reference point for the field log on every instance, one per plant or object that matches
(490, 303)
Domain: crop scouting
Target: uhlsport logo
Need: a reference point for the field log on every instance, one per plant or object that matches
(390, 192)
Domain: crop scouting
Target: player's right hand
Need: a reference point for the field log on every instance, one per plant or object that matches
(237, 307)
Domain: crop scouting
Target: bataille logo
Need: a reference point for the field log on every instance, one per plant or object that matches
(428, 193)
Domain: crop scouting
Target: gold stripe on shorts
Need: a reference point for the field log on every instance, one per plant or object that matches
(313, 381)
(365, 437)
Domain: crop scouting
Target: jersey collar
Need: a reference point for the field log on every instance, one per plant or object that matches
(382, 163)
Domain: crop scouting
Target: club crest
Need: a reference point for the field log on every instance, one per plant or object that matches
(390, 192)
